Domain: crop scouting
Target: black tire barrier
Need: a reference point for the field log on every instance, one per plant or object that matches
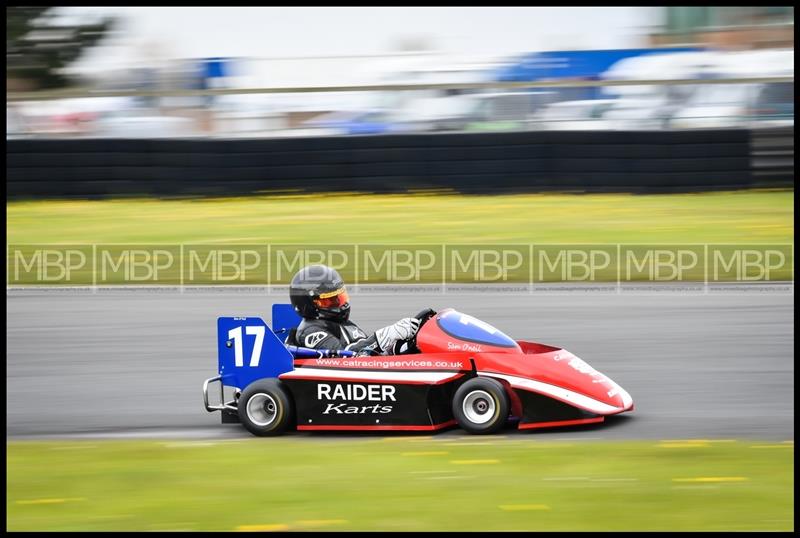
(772, 157)
(530, 161)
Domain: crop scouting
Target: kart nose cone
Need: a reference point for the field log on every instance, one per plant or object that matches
(623, 399)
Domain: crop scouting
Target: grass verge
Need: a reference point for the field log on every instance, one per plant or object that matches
(340, 221)
(403, 483)
(719, 217)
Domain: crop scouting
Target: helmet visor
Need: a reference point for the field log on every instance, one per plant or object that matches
(333, 299)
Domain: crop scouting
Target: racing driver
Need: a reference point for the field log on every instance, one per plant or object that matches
(318, 294)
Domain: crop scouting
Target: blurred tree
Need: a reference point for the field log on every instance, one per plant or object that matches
(38, 46)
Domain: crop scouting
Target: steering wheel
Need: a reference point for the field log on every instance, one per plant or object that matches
(423, 317)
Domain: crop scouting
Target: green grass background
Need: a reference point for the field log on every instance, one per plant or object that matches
(719, 217)
(403, 483)
(739, 217)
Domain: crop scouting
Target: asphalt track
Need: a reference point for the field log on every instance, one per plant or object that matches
(132, 363)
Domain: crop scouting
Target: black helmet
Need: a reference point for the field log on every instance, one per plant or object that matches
(317, 291)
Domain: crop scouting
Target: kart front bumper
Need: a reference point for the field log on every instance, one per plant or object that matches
(223, 406)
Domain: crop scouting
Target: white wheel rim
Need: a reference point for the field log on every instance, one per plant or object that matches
(262, 409)
(479, 407)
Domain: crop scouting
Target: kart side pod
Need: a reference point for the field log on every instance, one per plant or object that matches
(247, 350)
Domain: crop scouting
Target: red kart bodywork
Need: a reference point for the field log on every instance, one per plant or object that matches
(535, 367)
(547, 386)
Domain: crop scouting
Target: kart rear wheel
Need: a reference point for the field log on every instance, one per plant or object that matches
(265, 408)
(481, 405)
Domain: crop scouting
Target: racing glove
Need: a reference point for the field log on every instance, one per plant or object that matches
(404, 329)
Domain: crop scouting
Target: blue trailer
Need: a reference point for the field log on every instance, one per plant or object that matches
(573, 65)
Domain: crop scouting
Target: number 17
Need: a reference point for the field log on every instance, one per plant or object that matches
(236, 336)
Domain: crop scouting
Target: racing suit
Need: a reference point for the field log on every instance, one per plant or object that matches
(334, 335)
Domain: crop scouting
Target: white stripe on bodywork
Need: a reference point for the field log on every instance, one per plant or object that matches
(565, 395)
(425, 377)
(626, 398)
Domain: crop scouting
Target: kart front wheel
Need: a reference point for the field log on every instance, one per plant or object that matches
(481, 405)
(265, 408)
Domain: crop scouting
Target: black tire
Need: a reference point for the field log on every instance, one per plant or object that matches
(486, 404)
(265, 408)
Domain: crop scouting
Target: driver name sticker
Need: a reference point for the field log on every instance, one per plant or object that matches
(464, 346)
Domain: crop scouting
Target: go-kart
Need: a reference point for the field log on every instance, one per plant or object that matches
(457, 370)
